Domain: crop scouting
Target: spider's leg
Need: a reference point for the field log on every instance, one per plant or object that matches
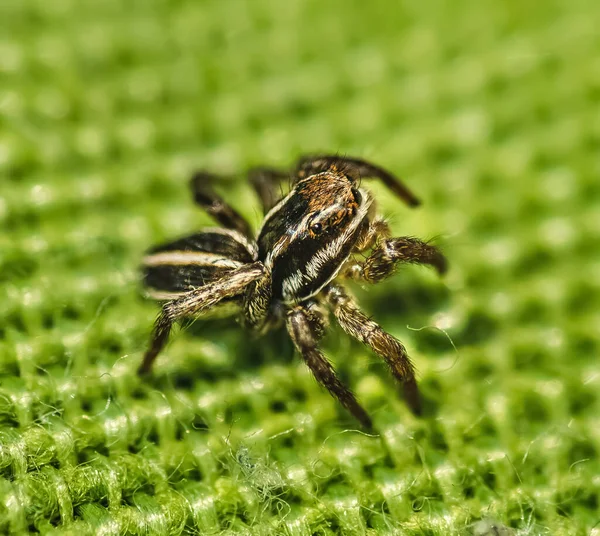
(196, 302)
(215, 206)
(389, 252)
(304, 328)
(267, 183)
(358, 325)
(357, 169)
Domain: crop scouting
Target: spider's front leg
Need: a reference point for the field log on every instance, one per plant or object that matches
(358, 325)
(305, 327)
(215, 205)
(196, 302)
(357, 168)
(389, 252)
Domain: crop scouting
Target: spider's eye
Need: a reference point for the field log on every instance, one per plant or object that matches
(316, 228)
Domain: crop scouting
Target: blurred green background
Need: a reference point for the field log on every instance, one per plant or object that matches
(490, 111)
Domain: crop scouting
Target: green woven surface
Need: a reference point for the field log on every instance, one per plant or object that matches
(491, 113)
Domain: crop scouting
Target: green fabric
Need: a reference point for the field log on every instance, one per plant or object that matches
(488, 110)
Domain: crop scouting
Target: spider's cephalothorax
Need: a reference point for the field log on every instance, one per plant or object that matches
(292, 272)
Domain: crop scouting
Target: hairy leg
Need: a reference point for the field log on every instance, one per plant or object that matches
(358, 325)
(388, 253)
(196, 302)
(304, 328)
(215, 206)
(378, 229)
(267, 183)
(256, 305)
(357, 169)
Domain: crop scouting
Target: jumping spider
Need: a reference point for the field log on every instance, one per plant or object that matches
(292, 271)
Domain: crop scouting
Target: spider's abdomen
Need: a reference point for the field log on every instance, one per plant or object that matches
(171, 269)
(308, 236)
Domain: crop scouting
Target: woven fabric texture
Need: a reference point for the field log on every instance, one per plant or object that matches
(490, 111)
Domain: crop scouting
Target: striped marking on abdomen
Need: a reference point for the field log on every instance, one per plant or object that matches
(196, 258)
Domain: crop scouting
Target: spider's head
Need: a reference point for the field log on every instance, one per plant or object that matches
(309, 234)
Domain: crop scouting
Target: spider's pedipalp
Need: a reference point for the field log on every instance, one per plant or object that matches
(215, 205)
(358, 325)
(195, 302)
(378, 229)
(304, 328)
(356, 169)
(257, 301)
(382, 261)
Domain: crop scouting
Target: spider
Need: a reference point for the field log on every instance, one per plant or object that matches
(292, 272)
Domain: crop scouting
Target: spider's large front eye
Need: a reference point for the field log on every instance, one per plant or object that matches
(316, 228)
